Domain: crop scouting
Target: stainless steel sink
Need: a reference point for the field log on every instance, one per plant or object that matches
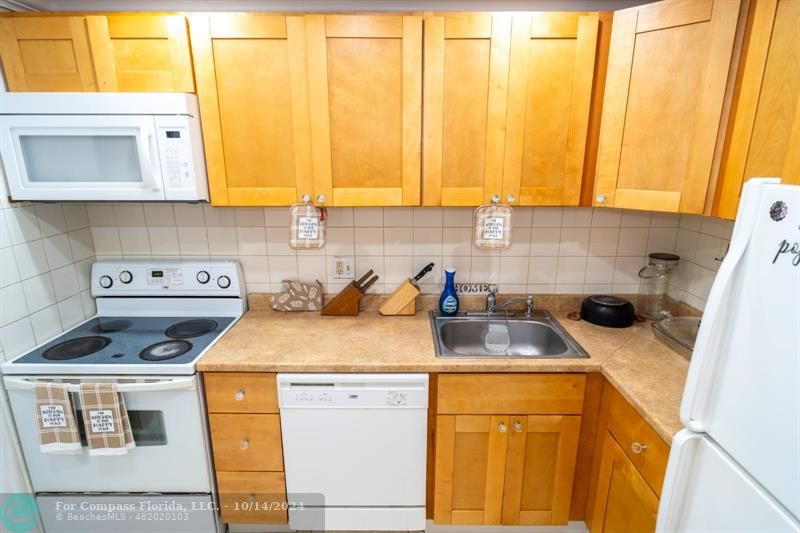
(503, 336)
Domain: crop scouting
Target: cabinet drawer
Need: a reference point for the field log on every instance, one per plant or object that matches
(511, 393)
(241, 393)
(252, 497)
(630, 430)
(246, 442)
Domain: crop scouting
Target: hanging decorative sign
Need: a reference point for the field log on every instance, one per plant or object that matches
(493, 225)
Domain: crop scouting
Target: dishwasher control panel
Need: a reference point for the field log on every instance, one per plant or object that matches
(353, 390)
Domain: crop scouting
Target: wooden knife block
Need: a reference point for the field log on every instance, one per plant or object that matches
(346, 303)
(403, 300)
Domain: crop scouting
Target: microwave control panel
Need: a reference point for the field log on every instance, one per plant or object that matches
(180, 149)
(176, 158)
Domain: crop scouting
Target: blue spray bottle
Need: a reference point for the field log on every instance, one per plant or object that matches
(448, 301)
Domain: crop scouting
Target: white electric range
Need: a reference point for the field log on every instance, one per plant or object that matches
(155, 319)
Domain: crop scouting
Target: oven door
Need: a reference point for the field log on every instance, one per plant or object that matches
(168, 422)
(81, 157)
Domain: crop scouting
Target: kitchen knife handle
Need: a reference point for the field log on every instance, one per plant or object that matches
(367, 285)
(422, 272)
(363, 278)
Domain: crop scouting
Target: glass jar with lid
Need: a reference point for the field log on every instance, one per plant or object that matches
(654, 284)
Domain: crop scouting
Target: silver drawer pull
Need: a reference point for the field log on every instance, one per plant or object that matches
(239, 395)
(518, 426)
(501, 427)
(251, 498)
(638, 447)
(245, 444)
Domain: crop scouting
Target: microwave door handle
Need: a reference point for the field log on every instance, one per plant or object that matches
(152, 386)
(150, 157)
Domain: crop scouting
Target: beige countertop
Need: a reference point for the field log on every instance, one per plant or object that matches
(650, 375)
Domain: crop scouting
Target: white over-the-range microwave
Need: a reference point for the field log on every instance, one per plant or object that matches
(102, 146)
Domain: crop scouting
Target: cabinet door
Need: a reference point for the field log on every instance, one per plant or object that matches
(470, 466)
(765, 133)
(624, 501)
(365, 91)
(466, 95)
(539, 469)
(667, 76)
(141, 53)
(549, 95)
(46, 54)
(253, 93)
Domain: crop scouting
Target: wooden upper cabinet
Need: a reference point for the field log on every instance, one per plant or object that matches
(141, 53)
(507, 101)
(624, 501)
(764, 133)
(47, 54)
(667, 78)
(252, 86)
(144, 53)
(466, 93)
(552, 67)
(365, 94)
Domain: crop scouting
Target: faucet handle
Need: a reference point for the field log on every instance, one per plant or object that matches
(529, 301)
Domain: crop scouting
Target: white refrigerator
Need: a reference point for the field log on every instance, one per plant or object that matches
(736, 464)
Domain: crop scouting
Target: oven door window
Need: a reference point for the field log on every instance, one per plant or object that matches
(81, 158)
(147, 427)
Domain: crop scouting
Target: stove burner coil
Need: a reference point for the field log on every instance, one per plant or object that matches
(190, 328)
(75, 348)
(164, 350)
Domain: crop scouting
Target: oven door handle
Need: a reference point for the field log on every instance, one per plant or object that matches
(153, 386)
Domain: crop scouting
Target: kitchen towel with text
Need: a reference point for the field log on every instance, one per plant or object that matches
(105, 419)
(55, 417)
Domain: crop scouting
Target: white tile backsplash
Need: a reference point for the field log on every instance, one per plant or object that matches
(554, 249)
(46, 251)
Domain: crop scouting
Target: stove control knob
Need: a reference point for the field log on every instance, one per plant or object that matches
(125, 276)
(203, 277)
(224, 282)
(106, 282)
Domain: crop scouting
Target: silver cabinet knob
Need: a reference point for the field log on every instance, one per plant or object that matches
(320, 198)
(637, 447)
(245, 444)
(510, 198)
(501, 427)
(518, 426)
(239, 395)
(601, 198)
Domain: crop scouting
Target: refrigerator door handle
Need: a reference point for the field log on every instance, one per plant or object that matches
(706, 355)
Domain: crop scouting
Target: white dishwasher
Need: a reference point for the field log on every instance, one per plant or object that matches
(360, 441)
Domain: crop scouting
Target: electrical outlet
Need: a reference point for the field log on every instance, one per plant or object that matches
(344, 268)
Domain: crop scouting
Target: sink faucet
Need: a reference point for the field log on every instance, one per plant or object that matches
(492, 306)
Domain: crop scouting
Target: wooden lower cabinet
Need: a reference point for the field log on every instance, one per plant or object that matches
(246, 444)
(624, 502)
(252, 497)
(630, 460)
(509, 469)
